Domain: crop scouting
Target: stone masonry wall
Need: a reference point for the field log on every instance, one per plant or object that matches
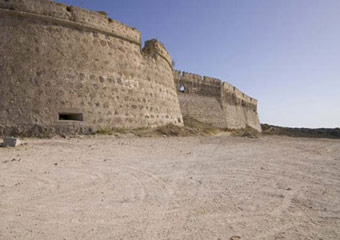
(201, 98)
(56, 59)
(239, 109)
(220, 104)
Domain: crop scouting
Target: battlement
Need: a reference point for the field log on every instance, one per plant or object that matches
(177, 74)
(212, 81)
(208, 86)
(191, 77)
(70, 16)
(196, 78)
(227, 87)
(192, 80)
(196, 84)
(153, 47)
(215, 102)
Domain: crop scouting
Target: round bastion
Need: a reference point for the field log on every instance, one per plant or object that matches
(67, 70)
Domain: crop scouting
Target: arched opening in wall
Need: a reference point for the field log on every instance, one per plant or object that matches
(181, 89)
(71, 117)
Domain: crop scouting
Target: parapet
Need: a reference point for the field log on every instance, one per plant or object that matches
(153, 47)
(215, 102)
(177, 75)
(192, 77)
(230, 88)
(191, 81)
(70, 16)
(212, 81)
(196, 78)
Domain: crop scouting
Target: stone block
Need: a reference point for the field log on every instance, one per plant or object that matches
(11, 142)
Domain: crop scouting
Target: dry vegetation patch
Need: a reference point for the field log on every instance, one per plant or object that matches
(191, 127)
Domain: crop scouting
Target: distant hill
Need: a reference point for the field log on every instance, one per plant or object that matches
(301, 132)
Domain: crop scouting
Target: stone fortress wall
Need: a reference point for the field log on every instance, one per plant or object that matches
(68, 70)
(212, 101)
(65, 70)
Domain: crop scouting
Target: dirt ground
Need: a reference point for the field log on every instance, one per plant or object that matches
(105, 187)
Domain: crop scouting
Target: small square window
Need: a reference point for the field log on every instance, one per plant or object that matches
(71, 117)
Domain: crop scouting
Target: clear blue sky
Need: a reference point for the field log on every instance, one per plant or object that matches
(285, 53)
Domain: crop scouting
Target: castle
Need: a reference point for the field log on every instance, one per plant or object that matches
(68, 70)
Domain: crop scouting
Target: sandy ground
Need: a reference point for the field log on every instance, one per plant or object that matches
(171, 188)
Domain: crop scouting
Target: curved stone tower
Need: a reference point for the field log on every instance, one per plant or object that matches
(65, 70)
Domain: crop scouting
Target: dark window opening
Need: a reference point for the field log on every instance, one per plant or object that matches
(181, 89)
(71, 117)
